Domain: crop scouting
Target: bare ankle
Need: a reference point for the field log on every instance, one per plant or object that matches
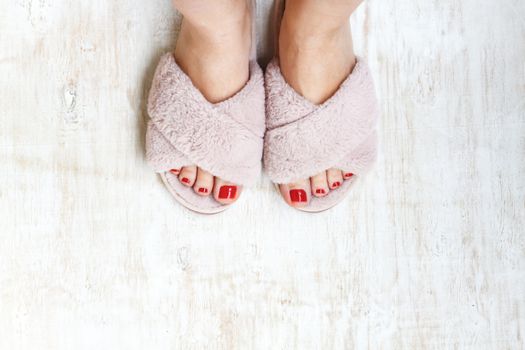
(202, 40)
(314, 17)
(315, 63)
(213, 15)
(216, 60)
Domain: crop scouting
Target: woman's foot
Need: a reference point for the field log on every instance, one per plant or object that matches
(316, 55)
(213, 50)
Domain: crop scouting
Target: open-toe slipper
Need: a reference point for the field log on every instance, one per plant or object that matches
(224, 138)
(304, 139)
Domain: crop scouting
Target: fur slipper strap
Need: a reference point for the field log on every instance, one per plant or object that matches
(225, 138)
(303, 139)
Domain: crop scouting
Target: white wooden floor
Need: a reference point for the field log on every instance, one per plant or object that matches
(427, 253)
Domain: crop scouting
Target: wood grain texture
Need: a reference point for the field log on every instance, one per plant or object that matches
(427, 253)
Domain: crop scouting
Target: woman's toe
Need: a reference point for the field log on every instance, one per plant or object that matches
(204, 183)
(296, 194)
(347, 175)
(225, 192)
(188, 175)
(335, 178)
(319, 185)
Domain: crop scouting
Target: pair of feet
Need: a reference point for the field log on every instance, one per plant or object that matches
(315, 56)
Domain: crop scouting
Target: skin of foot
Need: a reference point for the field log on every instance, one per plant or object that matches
(316, 55)
(213, 49)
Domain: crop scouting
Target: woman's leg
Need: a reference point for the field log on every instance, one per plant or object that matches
(316, 55)
(213, 49)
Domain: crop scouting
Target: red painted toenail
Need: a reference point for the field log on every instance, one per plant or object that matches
(336, 184)
(185, 180)
(298, 196)
(175, 171)
(349, 175)
(227, 192)
(203, 190)
(320, 191)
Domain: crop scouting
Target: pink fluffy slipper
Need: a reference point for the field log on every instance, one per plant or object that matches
(225, 138)
(303, 139)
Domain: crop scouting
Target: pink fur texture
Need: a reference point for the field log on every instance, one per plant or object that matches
(225, 138)
(304, 139)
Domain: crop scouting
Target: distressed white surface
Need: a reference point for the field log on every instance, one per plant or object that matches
(428, 253)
